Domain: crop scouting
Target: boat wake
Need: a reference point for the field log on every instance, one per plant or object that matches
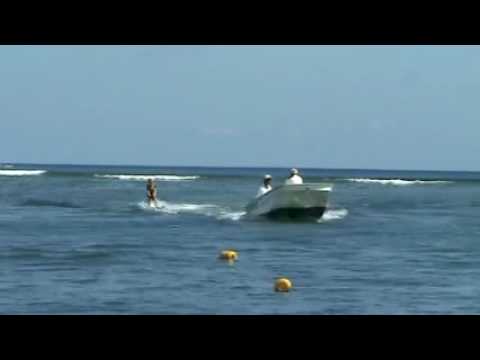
(333, 215)
(231, 215)
(216, 211)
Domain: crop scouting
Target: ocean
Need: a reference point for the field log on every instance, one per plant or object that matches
(81, 240)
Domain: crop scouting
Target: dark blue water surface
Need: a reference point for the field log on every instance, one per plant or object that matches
(75, 241)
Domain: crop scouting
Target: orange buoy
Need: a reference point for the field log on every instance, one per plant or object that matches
(230, 255)
(283, 285)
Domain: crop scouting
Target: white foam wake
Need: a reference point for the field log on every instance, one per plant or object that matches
(199, 209)
(228, 215)
(21, 172)
(398, 182)
(331, 215)
(146, 177)
(172, 208)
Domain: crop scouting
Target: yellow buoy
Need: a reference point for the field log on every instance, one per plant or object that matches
(283, 285)
(230, 255)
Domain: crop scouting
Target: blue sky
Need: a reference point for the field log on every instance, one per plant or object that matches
(385, 107)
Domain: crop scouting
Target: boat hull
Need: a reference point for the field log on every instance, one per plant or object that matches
(292, 202)
(296, 213)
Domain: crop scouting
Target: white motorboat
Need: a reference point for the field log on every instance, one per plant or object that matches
(292, 201)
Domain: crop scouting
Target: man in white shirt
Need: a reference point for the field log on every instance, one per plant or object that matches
(266, 187)
(294, 178)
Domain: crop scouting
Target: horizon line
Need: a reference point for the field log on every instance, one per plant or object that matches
(232, 167)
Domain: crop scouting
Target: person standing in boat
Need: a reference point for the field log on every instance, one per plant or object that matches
(294, 178)
(266, 186)
(151, 192)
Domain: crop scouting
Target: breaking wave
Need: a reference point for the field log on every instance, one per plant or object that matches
(21, 172)
(398, 182)
(146, 177)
